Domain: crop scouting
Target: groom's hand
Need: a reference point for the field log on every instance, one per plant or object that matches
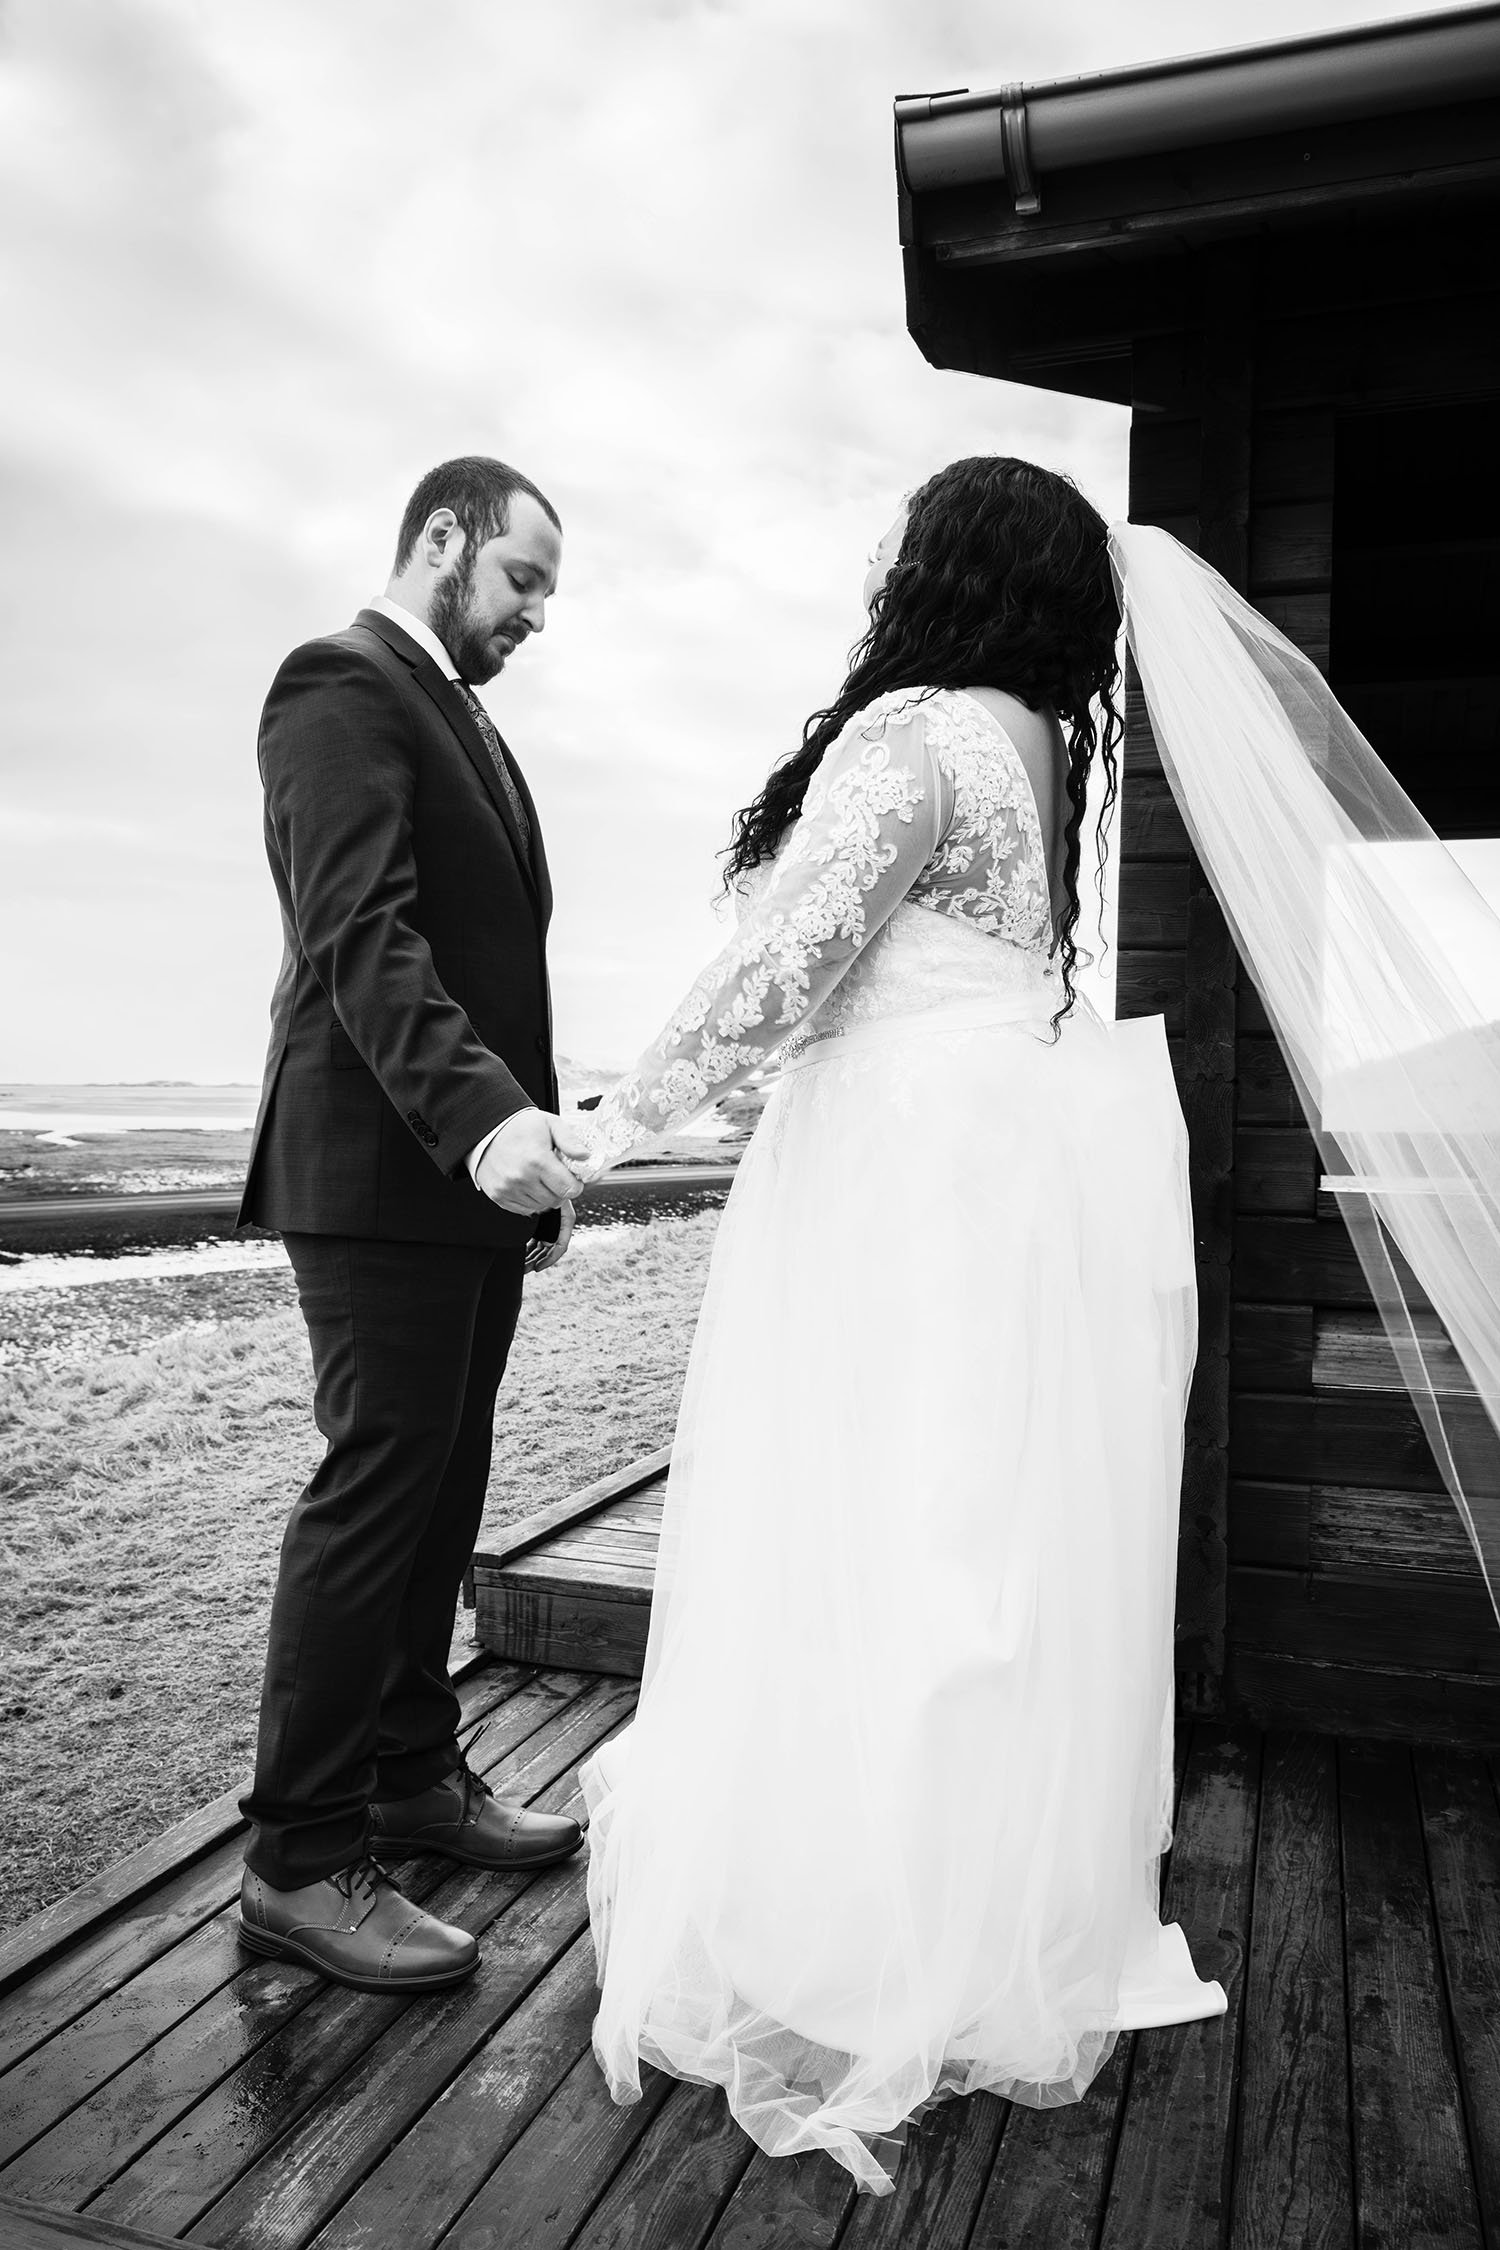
(525, 1169)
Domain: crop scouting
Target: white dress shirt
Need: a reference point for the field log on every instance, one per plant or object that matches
(417, 629)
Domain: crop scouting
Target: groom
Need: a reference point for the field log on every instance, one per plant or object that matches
(408, 1152)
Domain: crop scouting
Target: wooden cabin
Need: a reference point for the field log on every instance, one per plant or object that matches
(1283, 259)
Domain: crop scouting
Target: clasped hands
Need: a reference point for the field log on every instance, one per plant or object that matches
(535, 1163)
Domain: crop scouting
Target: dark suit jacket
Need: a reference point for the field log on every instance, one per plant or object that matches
(411, 1013)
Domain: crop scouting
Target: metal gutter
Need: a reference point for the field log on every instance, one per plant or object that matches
(1017, 133)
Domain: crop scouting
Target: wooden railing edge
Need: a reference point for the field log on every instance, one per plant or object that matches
(33, 1943)
(519, 1538)
(35, 2226)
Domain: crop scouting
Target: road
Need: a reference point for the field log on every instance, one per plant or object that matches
(80, 1222)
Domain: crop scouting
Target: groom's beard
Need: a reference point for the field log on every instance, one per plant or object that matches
(473, 650)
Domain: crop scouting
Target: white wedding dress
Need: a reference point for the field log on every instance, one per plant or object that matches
(887, 1824)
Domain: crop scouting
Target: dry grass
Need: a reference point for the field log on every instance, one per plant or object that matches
(144, 1497)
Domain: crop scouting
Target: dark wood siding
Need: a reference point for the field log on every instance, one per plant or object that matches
(1324, 1577)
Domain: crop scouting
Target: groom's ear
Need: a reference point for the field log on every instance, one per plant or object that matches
(442, 536)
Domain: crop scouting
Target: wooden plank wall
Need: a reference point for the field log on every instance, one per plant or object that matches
(1180, 470)
(1323, 1578)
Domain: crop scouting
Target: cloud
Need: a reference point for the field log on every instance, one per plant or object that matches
(268, 265)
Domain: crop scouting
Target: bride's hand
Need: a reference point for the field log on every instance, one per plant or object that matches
(541, 1255)
(580, 1143)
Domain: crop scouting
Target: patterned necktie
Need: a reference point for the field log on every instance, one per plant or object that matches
(490, 732)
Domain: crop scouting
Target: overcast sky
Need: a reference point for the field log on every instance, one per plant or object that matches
(264, 265)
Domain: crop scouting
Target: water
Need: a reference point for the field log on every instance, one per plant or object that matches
(44, 1271)
(72, 1112)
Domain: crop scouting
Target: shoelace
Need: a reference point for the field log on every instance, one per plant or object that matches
(474, 1787)
(366, 1876)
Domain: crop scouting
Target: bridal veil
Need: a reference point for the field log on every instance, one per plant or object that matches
(1379, 964)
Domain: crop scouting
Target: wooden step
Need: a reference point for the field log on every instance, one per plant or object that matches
(572, 1585)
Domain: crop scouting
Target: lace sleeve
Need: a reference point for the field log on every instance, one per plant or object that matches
(868, 827)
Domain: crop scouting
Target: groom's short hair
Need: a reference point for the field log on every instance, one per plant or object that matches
(479, 491)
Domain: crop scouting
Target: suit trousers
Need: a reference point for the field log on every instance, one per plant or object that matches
(409, 1342)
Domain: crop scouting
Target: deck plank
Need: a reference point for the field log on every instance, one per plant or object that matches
(64, 2073)
(555, 1571)
(628, 1521)
(104, 1962)
(1294, 2177)
(1171, 2180)
(545, 2187)
(604, 1531)
(635, 1549)
(132, 2111)
(677, 2180)
(116, 1888)
(786, 2203)
(301, 2181)
(1462, 1825)
(1412, 2180)
(80, 2153)
(227, 2124)
(417, 2192)
(644, 1476)
(104, 2039)
(939, 2183)
(1049, 2181)
(26, 2226)
(626, 1517)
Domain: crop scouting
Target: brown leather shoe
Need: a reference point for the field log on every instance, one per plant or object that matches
(356, 1928)
(463, 1819)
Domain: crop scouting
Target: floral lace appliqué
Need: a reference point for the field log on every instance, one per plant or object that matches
(761, 985)
(990, 867)
(922, 801)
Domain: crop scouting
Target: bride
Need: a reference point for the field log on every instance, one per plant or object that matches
(887, 1825)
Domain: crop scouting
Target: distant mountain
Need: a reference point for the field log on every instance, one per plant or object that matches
(579, 1078)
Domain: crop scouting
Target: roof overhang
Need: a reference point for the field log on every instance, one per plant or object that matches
(1129, 171)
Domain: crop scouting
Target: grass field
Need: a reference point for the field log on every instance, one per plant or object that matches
(145, 1492)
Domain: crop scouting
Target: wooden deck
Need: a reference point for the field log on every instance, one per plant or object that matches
(158, 2086)
(572, 1585)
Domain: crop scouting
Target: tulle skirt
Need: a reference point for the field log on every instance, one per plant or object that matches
(887, 1824)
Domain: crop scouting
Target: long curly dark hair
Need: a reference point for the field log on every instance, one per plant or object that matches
(1002, 580)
